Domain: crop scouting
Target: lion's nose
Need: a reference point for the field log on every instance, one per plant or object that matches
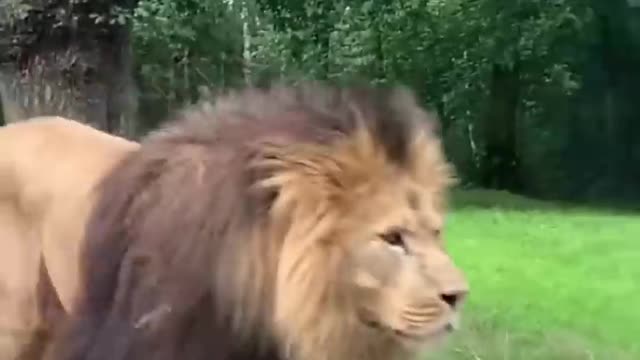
(453, 298)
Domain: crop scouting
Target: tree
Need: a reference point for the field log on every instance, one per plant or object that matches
(70, 58)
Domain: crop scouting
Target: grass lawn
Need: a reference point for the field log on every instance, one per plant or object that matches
(547, 281)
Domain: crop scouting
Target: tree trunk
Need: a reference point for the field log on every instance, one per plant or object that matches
(378, 65)
(322, 26)
(246, 43)
(500, 162)
(71, 60)
(2, 122)
(620, 55)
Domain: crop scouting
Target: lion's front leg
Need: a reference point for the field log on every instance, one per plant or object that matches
(21, 335)
(19, 276)
(12, 343)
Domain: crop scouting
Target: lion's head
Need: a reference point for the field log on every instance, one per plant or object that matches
(356, 228)
(318, 210)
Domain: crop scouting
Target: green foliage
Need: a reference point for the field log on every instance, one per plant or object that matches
(445, 50)
(183, 44)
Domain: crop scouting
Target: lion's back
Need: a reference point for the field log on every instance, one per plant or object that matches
(45, 152)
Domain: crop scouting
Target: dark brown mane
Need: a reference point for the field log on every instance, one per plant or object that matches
(171, 218)
(308, 112)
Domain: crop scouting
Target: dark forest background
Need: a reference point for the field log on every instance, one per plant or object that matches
(535, 96)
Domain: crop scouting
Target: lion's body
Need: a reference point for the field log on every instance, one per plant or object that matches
(48, 167)
(284, 224)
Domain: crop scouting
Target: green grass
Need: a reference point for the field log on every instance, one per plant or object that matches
(548, 281)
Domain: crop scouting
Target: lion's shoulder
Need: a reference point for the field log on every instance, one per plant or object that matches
(48, 137)
(48, 167)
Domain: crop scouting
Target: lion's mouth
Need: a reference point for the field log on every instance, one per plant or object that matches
(448, 326)
(430, 334)
(417, 337)
(414, 338)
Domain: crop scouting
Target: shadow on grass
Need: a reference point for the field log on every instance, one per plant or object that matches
(496, 199)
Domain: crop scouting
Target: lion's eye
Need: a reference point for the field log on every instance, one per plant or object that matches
(395, 240)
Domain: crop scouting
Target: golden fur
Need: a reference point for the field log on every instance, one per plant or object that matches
(48, 166)
(298, 223)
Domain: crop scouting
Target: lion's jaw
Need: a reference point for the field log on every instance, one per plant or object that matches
(372, 303)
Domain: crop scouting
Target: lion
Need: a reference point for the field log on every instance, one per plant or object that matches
(300, 222)
(48, 166)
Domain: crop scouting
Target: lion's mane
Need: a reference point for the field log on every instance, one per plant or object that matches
(185, 244)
